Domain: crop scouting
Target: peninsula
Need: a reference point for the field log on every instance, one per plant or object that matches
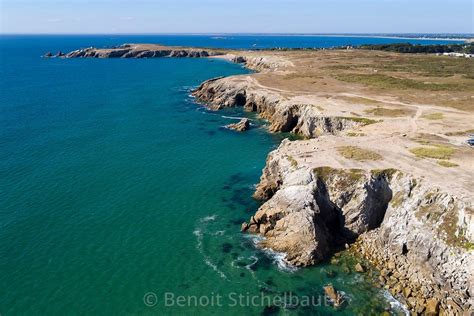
(383, 166)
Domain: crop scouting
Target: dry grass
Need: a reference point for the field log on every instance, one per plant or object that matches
(342, 177)
(379, 111)
(433, 116)
(361, 120)
(434, 151)
(447, 164)
(359, 100)
(357, 153)
(292, 161)
(460, 133)
(355, 134)
(463, 103)
(435, 79)
(383, 81)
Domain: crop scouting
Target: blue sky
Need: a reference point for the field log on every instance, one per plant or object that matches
(241, 16)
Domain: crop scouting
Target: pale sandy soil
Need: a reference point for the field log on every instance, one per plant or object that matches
(422, 100)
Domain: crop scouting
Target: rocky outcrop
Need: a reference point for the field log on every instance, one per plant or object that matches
(129, 51)
(263, 63)
(242, 126)
(294, 223)
(284, 116)
(422, 247)
(416, 234)
(334, 296)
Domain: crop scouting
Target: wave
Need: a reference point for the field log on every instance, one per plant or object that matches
(209, 218)
(199, 235)
(232, 117)
(278, 258)
(395, 304)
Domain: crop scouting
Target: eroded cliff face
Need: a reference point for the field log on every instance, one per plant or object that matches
(283, 115)
(261, 63)
(129, 51)
(415, 233)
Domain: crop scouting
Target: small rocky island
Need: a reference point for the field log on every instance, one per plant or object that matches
(242, 126)
(383, 167)
(136, 51)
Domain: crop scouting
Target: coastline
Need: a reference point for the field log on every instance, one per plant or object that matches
(291, 168)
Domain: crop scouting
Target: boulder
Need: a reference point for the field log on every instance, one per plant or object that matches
(334, 296)
(432, 307)
(239, 59)
(241, 126)
(359, 268)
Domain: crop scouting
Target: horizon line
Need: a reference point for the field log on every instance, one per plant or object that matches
(247, 33)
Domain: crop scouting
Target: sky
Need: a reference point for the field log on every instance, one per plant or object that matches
(242, 16)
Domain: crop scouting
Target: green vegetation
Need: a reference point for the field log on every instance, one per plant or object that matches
(387, 173)
(427, 49)
(355, 134)
(357, 153)
(446, 220)
(450, 231)
(388, 82)
(434, 116)
(342, 177)
(421, 65)
(398, 199)
(447, 164)
(292, 161)
(379, 111)
(442, 152)
(460, 133)
(361, 120)
(360, 100)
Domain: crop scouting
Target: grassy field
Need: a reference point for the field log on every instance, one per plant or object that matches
(434, 151)
(357, 153)
(383, 81)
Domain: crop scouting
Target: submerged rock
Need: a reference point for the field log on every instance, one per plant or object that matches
(359, 268)
(241, 126)
(336, 298)
(284, 116)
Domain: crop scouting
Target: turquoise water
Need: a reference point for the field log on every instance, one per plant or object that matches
(115, 184)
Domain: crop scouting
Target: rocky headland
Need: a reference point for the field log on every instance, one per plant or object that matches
(374, 171)
(136, 51)
(383, 167)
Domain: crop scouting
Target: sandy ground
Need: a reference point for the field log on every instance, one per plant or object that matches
(422, 101)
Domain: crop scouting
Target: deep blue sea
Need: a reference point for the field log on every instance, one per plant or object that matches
(117, 188)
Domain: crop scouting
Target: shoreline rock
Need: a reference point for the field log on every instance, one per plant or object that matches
(310, 214)
(335, 297)
(137, 51)
(302, 119)
(242, 126)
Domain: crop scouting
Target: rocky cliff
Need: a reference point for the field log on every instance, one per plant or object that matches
(137, 51)
(283, 115)
(415, 233)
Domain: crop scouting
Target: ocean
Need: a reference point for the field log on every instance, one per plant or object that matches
(119, 193)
